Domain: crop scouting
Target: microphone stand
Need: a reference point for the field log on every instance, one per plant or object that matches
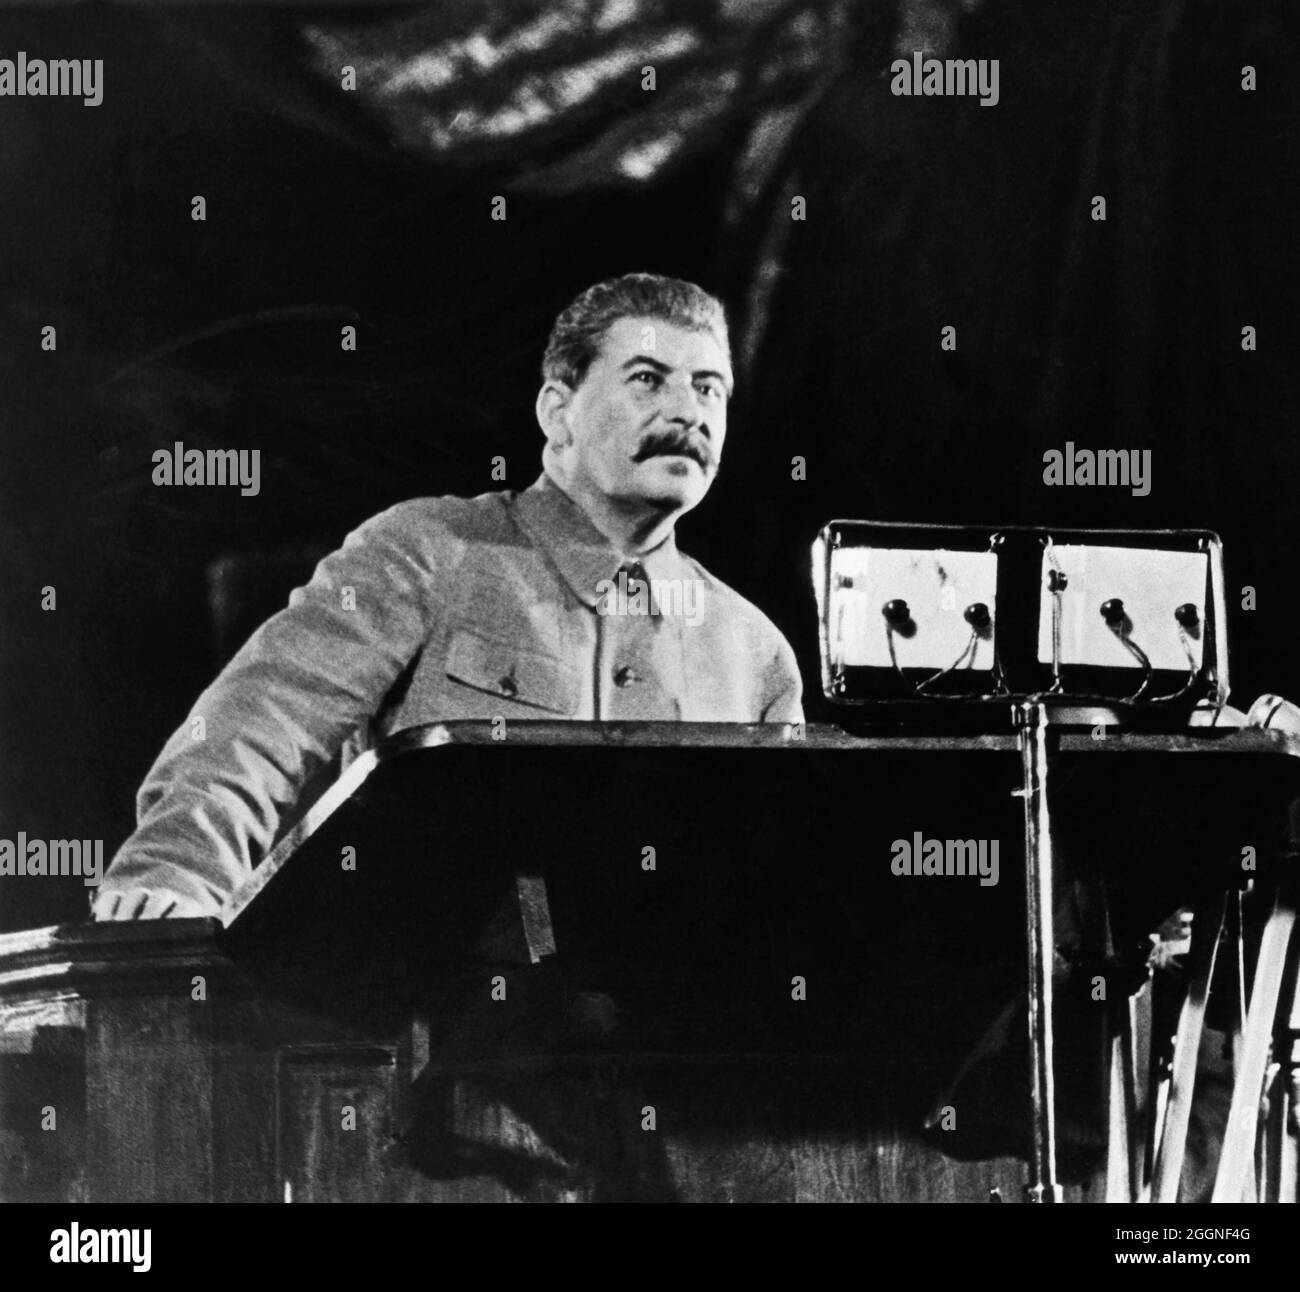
(1040, 938)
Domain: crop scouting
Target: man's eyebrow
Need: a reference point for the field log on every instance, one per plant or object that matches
(709, 372)
(645, 358)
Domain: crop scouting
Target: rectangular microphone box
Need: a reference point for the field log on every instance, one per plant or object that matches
(926, 615)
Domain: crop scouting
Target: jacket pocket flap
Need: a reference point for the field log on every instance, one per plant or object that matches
(511, 672)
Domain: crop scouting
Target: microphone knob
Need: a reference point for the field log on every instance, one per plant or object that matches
(1057, 581)
(1112, 612)
(1187, 615)
(896, 612)
(977, 615)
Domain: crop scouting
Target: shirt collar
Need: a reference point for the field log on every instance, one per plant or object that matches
(581, 553)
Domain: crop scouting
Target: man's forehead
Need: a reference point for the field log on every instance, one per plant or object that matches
(677, 346)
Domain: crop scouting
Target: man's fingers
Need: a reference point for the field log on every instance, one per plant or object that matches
(144, 904)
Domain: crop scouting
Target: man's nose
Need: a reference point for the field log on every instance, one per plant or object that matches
(683, 408)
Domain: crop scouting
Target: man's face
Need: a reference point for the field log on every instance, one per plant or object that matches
(648, 422)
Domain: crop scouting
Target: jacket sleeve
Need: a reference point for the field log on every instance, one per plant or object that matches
(217, 797)
(783, 685)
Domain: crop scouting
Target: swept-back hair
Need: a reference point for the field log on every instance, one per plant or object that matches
(579, 330)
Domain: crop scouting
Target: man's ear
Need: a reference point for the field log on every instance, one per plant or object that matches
(552, 407)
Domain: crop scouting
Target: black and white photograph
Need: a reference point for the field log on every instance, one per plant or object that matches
(651, 601)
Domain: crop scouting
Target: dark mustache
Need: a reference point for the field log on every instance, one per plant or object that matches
(663, 443)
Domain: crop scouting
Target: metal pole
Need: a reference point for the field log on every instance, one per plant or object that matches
(1031, 724)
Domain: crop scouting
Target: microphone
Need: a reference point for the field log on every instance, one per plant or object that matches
(1117, 620)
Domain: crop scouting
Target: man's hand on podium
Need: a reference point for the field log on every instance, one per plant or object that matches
(145, 904)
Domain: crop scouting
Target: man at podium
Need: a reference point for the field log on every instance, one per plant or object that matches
(568, 599)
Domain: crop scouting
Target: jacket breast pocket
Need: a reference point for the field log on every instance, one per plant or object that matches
(512, 673)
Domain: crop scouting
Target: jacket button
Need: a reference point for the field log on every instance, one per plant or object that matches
(509, 687)
(624, 676)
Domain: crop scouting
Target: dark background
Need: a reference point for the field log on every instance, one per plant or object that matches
(325, 208)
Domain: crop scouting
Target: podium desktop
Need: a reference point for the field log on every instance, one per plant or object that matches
(467, 944)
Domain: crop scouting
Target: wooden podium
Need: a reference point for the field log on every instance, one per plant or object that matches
(614, 962)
